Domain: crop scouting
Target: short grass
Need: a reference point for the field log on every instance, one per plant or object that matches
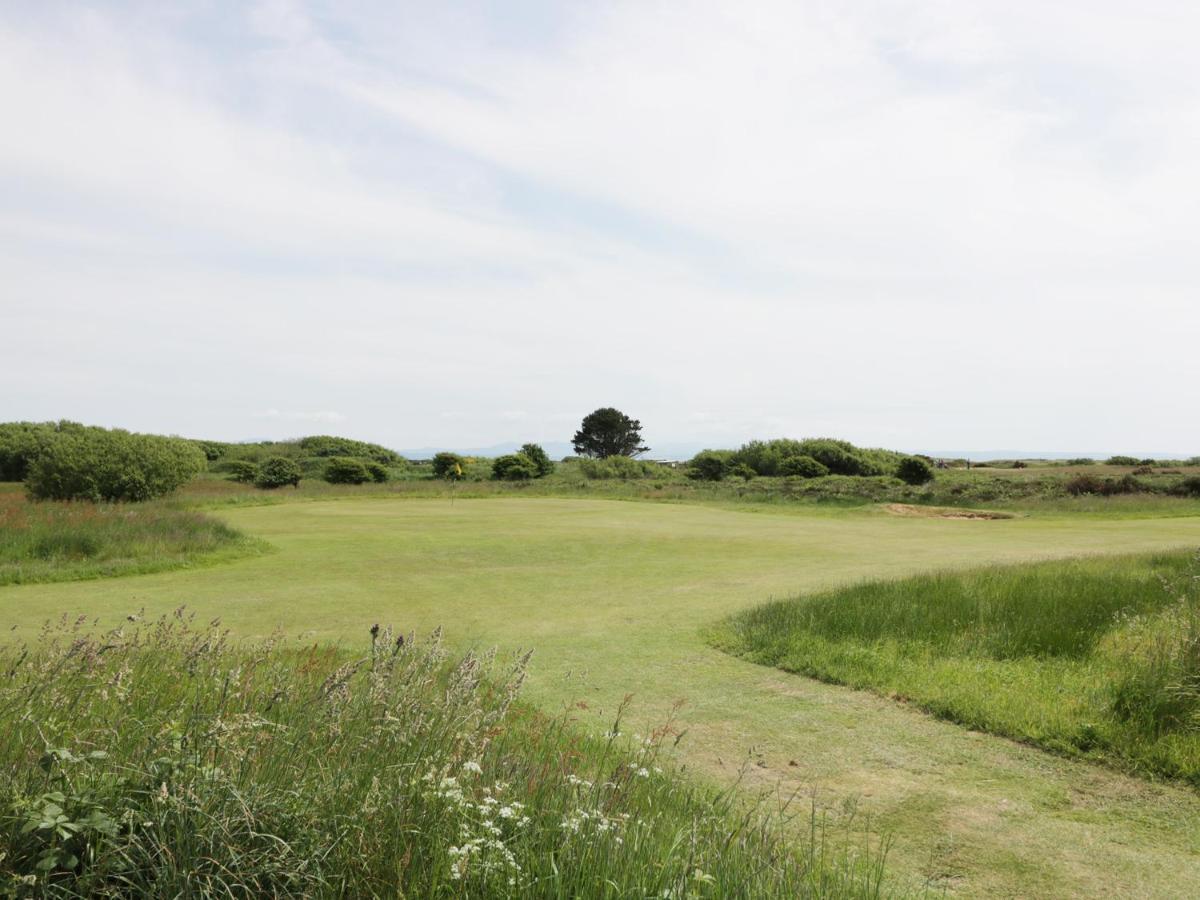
(158, 760)
(613, 596)
(49, 541)
(1094, 657)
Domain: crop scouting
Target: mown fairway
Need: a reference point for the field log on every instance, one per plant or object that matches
(612, 595)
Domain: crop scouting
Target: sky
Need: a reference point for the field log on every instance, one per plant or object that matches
(915, 224)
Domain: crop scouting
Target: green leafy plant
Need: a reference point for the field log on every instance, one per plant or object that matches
(242, 470)
(514, 467)
(101, 464)
(278, 471)
(540, 459)
(345, 470)
(709, 465)
(448, 466)
(802, 466)
(914, 470)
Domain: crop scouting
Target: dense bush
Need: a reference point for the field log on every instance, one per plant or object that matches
(345, 470)
(1188, 487)
(1104, 487)
(709, 465)
(742, 471)
(514, 467)
(914, 470)
(619, 467)
(242, 470)
(277, 471)
(838, 457)
(20, 443)
(540, 459)
(448, 466)
(379, 473)
(100, 464)
(803, 466)
(329, 445)
(1081, 461)
(1121, 461)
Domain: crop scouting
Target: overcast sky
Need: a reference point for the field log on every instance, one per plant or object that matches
(912, 224)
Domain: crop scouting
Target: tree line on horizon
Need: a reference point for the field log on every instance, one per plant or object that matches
(70, 461)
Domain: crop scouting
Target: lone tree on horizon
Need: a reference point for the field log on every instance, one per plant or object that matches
(608, 432)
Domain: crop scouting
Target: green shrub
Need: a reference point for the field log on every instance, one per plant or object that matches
(100, 464)
(345, 470)
(709, 465)
(914, 470)
(277, 471)
(326, 445)
(1084, 484)
(1188, 487)
(449, 466)
(1121, 461)
(379, 473)
(742, 471)
(1081, 461)
(514, 467)
(242, 470)
(541, 460)
(803, 466)
(619, 467)
(20, 443)
(839, 457)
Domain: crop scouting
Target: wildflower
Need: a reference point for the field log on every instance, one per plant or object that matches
(471, 766)
(643, 772)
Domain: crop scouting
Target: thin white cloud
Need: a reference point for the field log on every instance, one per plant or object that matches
(327, 416)
(924, 223)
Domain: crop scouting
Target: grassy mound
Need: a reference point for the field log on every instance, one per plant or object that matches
(163, 762)
(68, 541)
(1094, 657)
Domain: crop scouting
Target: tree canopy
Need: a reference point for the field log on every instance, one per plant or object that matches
(608, 432)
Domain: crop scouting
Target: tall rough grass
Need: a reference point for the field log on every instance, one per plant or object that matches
(61, 541)
(159, 761)
(1095, 657)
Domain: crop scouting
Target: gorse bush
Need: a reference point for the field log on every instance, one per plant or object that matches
(344, 470)
(99, 464)
(709, 465)
(914, 470)
(277, 472)
(540, 459)
(161, 762)
(449, 466)
(1121, 461)
(20, 443)
(242, 470)
(330, 446)
(378, 472)
(619, 467)
(514, 467)
(803, 466)
(838, 457)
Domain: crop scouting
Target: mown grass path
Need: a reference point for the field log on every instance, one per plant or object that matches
(613, 596)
